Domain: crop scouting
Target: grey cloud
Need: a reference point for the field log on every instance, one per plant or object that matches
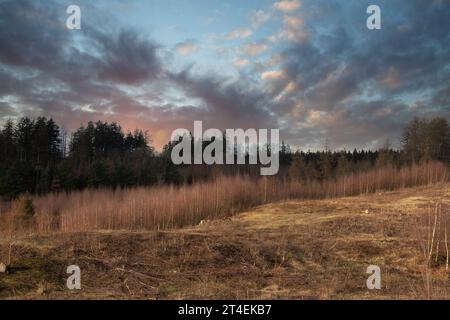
(128, 58)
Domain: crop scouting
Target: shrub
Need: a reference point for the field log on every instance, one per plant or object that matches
(23, 211)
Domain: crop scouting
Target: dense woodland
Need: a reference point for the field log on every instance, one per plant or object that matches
(37, 156)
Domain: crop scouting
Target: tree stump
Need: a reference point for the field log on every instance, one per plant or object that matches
(3, 268)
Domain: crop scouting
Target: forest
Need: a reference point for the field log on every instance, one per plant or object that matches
(38, 157)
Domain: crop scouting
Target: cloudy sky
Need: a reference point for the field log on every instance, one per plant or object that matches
(308, 67)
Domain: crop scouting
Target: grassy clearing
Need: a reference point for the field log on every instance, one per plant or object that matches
(315, 249)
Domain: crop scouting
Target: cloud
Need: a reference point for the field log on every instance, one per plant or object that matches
(294, 22)
(26, 46)
(293, 30)
(187, 47)
(127, 58)
(39, 43)
(225, 100)
(273, 75)
(258, 18)
(240, 33)
(240, 63)
(274, 60)
(253, 49)
(287, 5)
(391, 79)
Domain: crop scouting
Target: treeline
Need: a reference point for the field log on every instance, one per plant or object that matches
(37, 156)
(422, 140)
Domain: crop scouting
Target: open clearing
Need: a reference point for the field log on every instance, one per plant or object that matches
(318, 249)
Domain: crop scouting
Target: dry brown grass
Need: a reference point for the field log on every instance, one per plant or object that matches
(302, 249)
(169, 207)
(431, 231)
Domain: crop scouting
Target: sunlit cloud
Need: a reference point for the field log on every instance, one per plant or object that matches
(293, 30)
(240, 63)
(272, 75)
(287, 5)
(240, 33)
(187, 47)
(253, 49)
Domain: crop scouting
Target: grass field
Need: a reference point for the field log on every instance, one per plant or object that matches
(315, 249)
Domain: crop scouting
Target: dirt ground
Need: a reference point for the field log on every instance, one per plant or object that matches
(294, 250)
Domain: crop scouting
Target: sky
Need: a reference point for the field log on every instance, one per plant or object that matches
(310, 68)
